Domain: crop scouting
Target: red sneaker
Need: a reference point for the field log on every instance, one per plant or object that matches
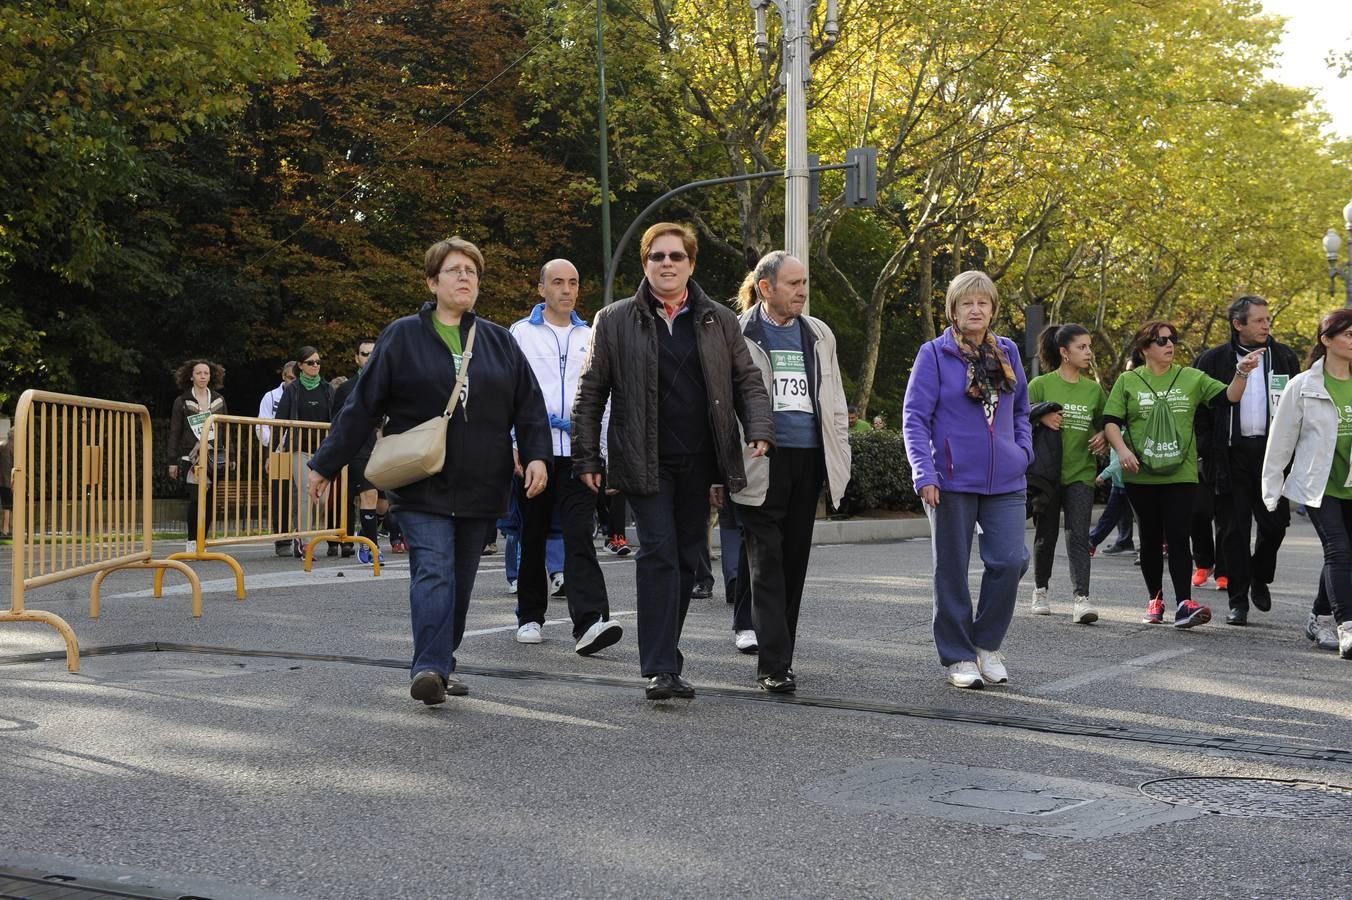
(1154, 611)
(1200, 576)
(1222, 582)
(398, 545)
(1191, 613)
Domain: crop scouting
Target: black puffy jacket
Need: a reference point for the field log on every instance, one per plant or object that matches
(622, 367)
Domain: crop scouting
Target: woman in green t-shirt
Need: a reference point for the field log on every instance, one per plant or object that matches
(1162, 500)
(1313, 426)
(1066, 352)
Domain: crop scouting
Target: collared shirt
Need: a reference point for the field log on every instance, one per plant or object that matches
(668, 312)
(267, 409)
(1253, 405)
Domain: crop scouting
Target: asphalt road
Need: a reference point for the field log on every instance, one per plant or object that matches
(289, 760)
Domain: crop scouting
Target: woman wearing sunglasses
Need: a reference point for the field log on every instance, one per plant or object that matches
(1161, 492)
(1313, 426)
(307, 399)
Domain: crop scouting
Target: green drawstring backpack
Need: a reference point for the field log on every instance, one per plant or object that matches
(1162, 451)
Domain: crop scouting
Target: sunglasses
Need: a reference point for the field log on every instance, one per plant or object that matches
(1164, 340)
(675, 256)
(363, 353)
(309, 362)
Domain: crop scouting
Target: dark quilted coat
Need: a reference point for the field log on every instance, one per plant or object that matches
(622, 367)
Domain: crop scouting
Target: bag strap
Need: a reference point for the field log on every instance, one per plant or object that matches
(464, 370)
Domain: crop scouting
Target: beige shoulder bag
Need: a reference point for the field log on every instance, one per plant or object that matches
(401, 459)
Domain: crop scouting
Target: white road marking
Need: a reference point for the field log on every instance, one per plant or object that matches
(1123, 668)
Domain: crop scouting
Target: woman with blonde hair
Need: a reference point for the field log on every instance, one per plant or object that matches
(969, 442)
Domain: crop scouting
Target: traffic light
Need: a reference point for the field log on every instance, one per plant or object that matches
(861, 178)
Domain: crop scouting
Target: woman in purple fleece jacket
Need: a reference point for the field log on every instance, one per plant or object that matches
(969, 442)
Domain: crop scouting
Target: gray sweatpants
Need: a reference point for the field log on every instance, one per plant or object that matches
(1077, 502)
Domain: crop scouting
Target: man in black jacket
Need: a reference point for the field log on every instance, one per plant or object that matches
(674, 366)
(1233, 447)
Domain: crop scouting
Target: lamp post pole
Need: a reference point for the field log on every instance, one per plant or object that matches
(603, 149)
(1332, 244)
(796, 73)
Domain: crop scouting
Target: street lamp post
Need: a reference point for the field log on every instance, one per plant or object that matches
(796, 44)
(1332, 244)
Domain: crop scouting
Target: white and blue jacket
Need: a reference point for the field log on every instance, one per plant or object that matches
(557, 364)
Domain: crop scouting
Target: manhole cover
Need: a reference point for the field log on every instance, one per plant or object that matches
(1271, 798)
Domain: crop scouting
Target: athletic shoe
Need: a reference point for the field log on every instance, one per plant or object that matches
(297, 548)
(1083, 612)
(529, 634)
(1345, 640)
(1191, 613)
(702, 592)
(598, 637)
(1222, 582)
(190, 547)
(991, 665)
(1325, 634)
(1200, 576)
(365, 556)
(618, 545)
(490, 549)
(281, 548)
(556, 585)
(1136, 560)
(746, 640)
(1154, 610)
(1042, 603)
(429, 687)
(965, 674)
(1114, 549)
(399, 545)
(511, 586)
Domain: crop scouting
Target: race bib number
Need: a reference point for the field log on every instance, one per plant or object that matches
(196, 421)
(790, 381)
(1276, 384)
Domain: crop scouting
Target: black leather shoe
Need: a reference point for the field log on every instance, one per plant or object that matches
(1262, 596)
(1237, 616)
(684, 689)
(661, 687)
(778, 684)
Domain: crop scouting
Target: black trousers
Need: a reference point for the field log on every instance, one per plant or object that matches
(778, 538)
(1246, 508)
(1164, 512)
(673, 528)
(1210, 517)
(587, 600)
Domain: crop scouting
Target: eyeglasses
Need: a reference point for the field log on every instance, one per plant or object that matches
(1164, 340)
(675, 256)
(363, 353)
(309, 362)
(467, 272)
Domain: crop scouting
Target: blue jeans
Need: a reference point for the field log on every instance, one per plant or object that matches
(1117, 514)
(957, 634)
(510, 526)
(673, 535)
(443, 556)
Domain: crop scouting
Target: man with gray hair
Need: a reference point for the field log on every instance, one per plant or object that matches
(796, 355)
(1232, 439)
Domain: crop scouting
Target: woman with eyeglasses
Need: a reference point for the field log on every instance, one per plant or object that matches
(446, 517)
(307, 399)
(201, 382)
(1161, 485)
(1313, 427)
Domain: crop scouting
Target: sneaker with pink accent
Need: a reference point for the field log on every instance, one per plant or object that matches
(1154, 611)
(1190, 613)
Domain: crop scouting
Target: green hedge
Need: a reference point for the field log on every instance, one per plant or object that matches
(880, 477)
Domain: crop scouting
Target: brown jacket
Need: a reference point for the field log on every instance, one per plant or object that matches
(621, 367)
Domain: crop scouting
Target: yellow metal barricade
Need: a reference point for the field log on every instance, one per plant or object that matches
(247, 493)
(82, 501)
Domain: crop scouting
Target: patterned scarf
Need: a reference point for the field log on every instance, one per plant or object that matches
(988, 371)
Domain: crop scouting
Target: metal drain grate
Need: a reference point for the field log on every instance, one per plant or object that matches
(1269, 798)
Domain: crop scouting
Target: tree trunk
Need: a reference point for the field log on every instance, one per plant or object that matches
(926, 262)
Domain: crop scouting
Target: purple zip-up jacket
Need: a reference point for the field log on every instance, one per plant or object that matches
(948, 442)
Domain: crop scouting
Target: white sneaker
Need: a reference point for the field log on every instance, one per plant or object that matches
(1325, 633)
(598, 637)
(556, 584)
(1083, 612)
(746, 641)
(529, 634)
(190, 547)
(1042, 603)
(511, 586)
(1345, 640)
(992, 666)
(965, 674)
